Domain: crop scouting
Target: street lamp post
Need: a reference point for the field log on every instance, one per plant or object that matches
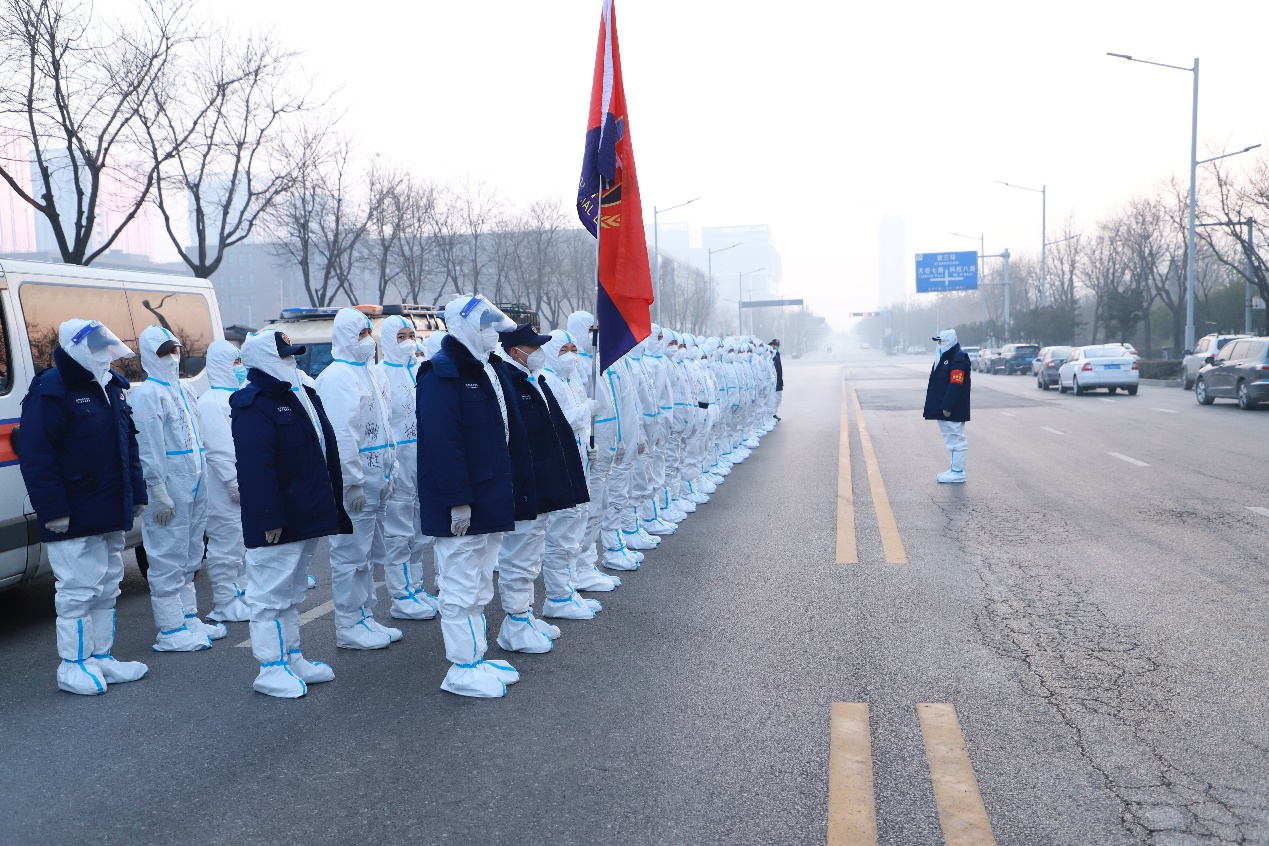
(1044, 234)
(1189, 241)
(710, 261)
(656, 254)
(740, 297)
(1249, 222)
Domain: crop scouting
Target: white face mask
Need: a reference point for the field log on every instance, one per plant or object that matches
(566, 363)
(365, 349)
(536, 360)
(489, 339)
(408, 348)
(171, 366)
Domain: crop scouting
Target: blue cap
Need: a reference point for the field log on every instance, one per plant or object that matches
(523, 336)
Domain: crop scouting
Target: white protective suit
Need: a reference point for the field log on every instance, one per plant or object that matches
(405, 544)
(225, 565)
(358, 404)
(650, 518)
(635, 486)
(566, 529)
(89, 569)
(171, 445)
(466, 562)
(277, 575)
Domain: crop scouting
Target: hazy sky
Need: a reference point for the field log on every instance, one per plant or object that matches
(813, 117)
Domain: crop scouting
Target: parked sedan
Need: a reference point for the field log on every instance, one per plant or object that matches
(983, 360)
(1016, 358)
(1239, 371)
(1047, 365)
(1091, 368)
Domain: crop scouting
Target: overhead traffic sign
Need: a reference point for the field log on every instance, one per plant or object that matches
(770, 303)
(938, 272)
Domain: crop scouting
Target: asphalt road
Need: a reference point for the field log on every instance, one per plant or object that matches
(1091, 606)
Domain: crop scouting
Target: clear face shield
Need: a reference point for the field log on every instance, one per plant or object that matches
(487, 319)
(101, 343)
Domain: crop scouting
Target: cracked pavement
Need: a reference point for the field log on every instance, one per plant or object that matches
(1099, 627)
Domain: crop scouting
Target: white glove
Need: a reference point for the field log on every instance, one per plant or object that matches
(234, 496)
(593, 405)
(619, 454)
(161, 505)
(355, 499)
(643, 447)
(459, 520)
(137, 511)
(591, 453)
(59, 525)
(272, 535)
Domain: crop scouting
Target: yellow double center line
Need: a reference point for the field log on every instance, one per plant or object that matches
(847, 548)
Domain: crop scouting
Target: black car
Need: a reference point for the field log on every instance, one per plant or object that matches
(1239, 371)
(1048, 364)
(1014, 358)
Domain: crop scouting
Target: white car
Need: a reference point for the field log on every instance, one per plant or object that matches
(1108, 366)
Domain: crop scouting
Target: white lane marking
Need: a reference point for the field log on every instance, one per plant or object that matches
(1051, 429)
(1164, 410)
(1007, 414)
(1264, 512)
(1105, 399)
(1129, 460)
(309, 616)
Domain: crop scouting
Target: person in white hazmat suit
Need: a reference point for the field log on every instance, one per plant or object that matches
(566, 528)
(616, 440)
(290, 500)
(226, 569)
(633, 485)
(173, 459)
(358, 403)
(651, 520)
(406, 545)
(466, 494)
(76, 426)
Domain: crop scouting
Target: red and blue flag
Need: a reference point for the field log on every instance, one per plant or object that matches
(608, 205)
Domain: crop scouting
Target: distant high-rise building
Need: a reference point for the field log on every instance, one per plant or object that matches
(17, 218)
(892, 260)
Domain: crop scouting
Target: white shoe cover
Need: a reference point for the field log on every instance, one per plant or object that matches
(412, 607)
(83, 677)
(751, 442)
(361, 636)
(214, 631)
(647, 538)
(674, 514)
(620, 559)
(593, 604)
(553, 632)
(501, 670)
(571, 607)
(659, 527)
(117, 672)
(687, 506)
(375, 625)
(234, 611)
(181, 640)
(951, 477)
(518, 635)
(638, 541)
(278, 680)
(312, 582)
(309, 672)
(592, 579)
(471, 680)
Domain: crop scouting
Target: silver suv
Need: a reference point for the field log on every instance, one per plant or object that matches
(1208, 345)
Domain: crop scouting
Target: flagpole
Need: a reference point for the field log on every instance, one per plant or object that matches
(594, 332)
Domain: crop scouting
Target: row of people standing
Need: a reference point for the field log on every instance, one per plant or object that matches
(269, 462)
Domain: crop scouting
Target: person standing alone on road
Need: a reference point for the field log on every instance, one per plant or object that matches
(947, 401)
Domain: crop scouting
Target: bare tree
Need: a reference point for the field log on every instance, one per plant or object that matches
(415, 254)
(293, 222)
(221, 116)
(343, 223)
(77, 86)
(386, 223)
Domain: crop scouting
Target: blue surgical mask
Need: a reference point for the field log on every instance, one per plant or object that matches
(241, 372)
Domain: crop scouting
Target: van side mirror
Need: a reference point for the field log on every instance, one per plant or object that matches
(1211, 359)
(1187, 352)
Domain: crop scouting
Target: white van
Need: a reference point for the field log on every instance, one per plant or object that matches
(35, 298)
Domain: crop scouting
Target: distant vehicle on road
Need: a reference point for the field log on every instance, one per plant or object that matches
(865, 346)
(982, 361)
(1047, 364)
(1207, 346)
(917, 349)
(1239, 371)
(972, 352)
(1108, 366)
(1014, 358)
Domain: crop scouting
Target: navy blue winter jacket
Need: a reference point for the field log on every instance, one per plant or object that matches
(559, 480)
(464, 457)
(284, 478)
(77, 448)
(949, 387)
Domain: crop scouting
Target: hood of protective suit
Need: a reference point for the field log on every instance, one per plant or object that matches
(579, 323)
(155, 367)
(394, 352)
(475, 322)
(946, 340)
(432, 344)
(261, 352)
(221, 356)
(92, 346)
(344, 344)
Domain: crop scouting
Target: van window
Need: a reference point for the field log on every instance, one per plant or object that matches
(126, 314)
(6, 362)
(316, 359)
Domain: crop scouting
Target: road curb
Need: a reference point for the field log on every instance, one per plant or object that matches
(1161, 383)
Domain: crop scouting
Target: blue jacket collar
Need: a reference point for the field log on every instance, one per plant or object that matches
(74, 373)
(267, 384)
(453, 358)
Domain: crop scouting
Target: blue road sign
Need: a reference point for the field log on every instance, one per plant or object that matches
(936, 272)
